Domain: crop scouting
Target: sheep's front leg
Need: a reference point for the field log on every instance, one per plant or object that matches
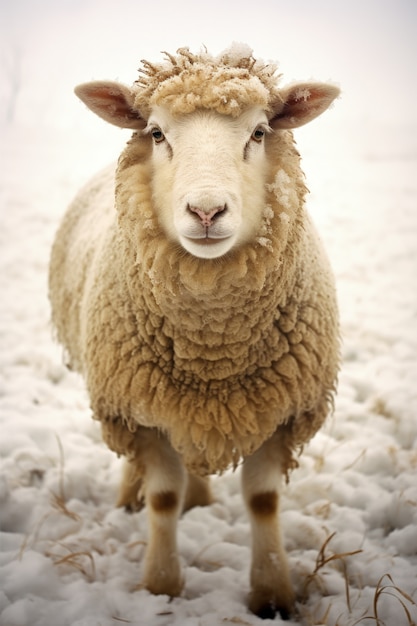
(165, 485)
(271, 588)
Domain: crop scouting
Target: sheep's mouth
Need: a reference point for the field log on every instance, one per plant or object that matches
(207, 247)
(206, 241)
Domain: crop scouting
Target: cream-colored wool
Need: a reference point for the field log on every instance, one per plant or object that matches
(227, 84)
(216, 353)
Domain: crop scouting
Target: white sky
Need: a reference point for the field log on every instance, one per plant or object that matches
(369, 47)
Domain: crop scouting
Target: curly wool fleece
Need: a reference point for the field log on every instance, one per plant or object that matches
(219, 353)
(228, 84)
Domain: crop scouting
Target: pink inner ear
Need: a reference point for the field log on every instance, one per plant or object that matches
(119, 105)
(303, 103)
(113, 100)
(105, 93)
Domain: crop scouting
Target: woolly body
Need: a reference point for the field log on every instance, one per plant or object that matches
(219, 354)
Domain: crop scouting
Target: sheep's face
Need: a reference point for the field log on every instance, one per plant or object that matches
(208, 177)
(209, 165)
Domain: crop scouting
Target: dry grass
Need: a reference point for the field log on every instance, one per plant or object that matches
(59, 500)
(30, 540)
(58, 503)
(77, 560)
(321, 561)
(393, 591)
(406, 604)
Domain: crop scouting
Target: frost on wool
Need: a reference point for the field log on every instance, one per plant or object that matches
(282, 188)
(236, 52)
(284, 193)
(302, 94)
(265, 229)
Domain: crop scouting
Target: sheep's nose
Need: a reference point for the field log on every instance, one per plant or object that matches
(207, 216)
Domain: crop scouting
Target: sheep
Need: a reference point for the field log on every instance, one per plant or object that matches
(189, 287)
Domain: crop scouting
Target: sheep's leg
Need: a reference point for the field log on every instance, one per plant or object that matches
(164, 487)
(131, 488)
(130, 495)
(198, 492)
(271, 588)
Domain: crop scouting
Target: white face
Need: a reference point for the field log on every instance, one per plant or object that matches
(208, 177)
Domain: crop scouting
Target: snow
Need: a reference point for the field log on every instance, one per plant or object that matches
(349, 514)
(236, 51)
(282, 189)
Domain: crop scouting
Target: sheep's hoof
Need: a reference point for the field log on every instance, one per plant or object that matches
(164, 588)
(131, 505)
(265, 607)
(165, 581)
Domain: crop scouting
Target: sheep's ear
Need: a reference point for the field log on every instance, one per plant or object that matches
(302, 103)
(111, 101)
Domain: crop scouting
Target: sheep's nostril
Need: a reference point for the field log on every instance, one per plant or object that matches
(207, 216)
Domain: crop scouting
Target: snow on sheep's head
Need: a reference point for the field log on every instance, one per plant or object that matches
(209, 118)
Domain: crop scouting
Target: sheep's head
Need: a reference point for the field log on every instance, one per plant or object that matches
(209, 119)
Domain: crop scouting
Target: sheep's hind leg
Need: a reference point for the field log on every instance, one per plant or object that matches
(271, 588)
(198, 492)
(131, 488)
(131, 496)
(164, 487)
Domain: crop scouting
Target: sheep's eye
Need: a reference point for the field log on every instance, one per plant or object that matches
(258, 134)
(158, 135)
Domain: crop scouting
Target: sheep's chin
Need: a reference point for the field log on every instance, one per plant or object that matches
(207, 248)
